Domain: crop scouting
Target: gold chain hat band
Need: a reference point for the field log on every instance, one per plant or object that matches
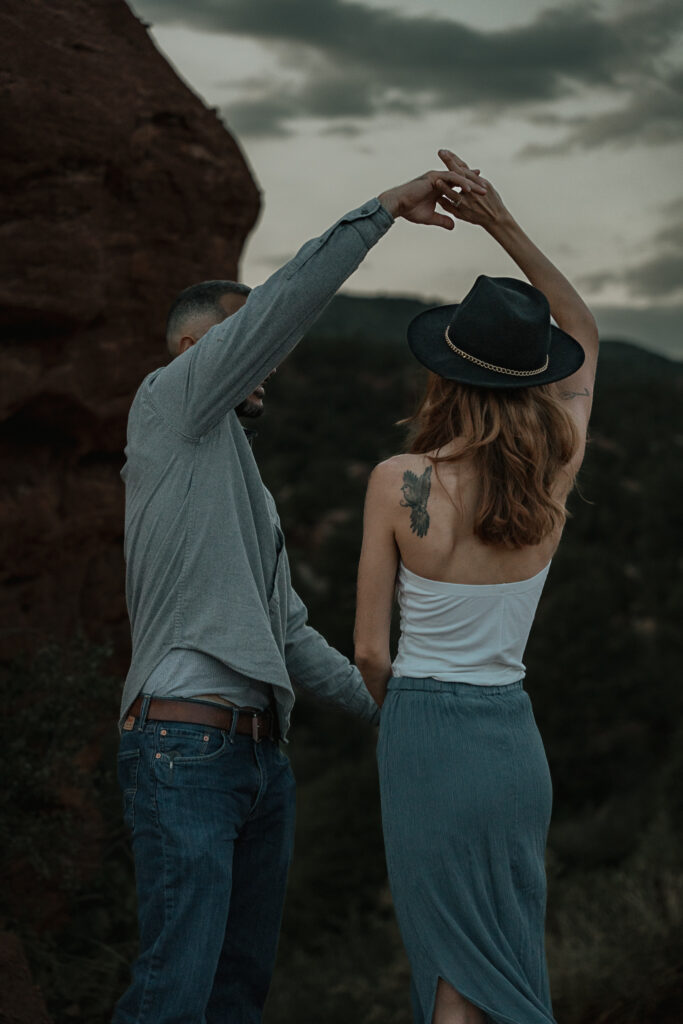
(490, 366)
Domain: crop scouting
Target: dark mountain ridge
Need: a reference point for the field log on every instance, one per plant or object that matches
(385, 318)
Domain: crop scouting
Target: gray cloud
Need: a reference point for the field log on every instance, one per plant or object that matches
(356, 61)
(333, 98)
(256, 117)
(660, 274)
(345, 130)
(659, 277)
(653, 115)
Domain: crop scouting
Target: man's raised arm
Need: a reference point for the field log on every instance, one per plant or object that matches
(198, 388)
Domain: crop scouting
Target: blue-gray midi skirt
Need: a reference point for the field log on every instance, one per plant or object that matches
(466, 801)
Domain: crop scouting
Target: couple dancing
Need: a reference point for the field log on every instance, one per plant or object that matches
(462, 527)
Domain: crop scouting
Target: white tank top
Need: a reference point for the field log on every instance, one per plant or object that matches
(464, 632)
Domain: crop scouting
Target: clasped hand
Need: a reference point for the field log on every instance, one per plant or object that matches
(459, 191)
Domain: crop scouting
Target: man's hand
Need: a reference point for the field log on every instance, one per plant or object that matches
(416, 201)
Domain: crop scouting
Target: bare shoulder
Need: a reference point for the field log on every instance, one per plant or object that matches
(399, 484)
(390, 476)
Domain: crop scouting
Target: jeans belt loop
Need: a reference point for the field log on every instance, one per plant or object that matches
(144, 710)
(233, 725)
(254, 726)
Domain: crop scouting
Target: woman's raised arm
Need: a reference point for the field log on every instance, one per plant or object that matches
(566, 305)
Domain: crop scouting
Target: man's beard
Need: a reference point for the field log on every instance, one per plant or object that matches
(249, 410)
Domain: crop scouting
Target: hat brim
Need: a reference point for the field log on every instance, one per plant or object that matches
(427, 342)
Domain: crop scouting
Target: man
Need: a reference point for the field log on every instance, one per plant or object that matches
(219, 635)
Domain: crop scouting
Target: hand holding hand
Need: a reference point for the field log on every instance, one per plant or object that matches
(474, 207)
(416, 201)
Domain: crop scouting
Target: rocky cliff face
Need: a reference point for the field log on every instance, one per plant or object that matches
(119, 188)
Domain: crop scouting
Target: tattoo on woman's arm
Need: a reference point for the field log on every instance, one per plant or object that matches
(566, 395)
(415, 491)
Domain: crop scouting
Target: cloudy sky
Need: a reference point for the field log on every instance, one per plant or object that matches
(575, 112)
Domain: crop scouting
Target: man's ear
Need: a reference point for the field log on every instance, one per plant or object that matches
(187, 341)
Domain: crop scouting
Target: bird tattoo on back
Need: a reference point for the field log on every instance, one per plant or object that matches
(415, 490)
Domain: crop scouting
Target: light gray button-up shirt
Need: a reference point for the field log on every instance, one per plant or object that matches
(206, 565)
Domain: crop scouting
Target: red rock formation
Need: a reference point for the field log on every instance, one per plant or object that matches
(119, 188)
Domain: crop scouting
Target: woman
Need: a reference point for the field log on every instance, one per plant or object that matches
(465, 526)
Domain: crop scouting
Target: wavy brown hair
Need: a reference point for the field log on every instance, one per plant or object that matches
(520, 439)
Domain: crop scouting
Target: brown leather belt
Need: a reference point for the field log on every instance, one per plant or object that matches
(257, 724)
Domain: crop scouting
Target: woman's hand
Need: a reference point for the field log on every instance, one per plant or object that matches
(376, 673)
(417, 200)
(485, 209)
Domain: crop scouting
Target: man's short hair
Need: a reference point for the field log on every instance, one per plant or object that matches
(199, 300)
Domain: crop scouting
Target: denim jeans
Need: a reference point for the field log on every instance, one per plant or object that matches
(211, 815)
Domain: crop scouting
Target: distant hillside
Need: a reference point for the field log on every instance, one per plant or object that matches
(385, 318)
(631, 361)
(355, 316)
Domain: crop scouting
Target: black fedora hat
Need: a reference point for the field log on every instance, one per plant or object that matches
(499, 336)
